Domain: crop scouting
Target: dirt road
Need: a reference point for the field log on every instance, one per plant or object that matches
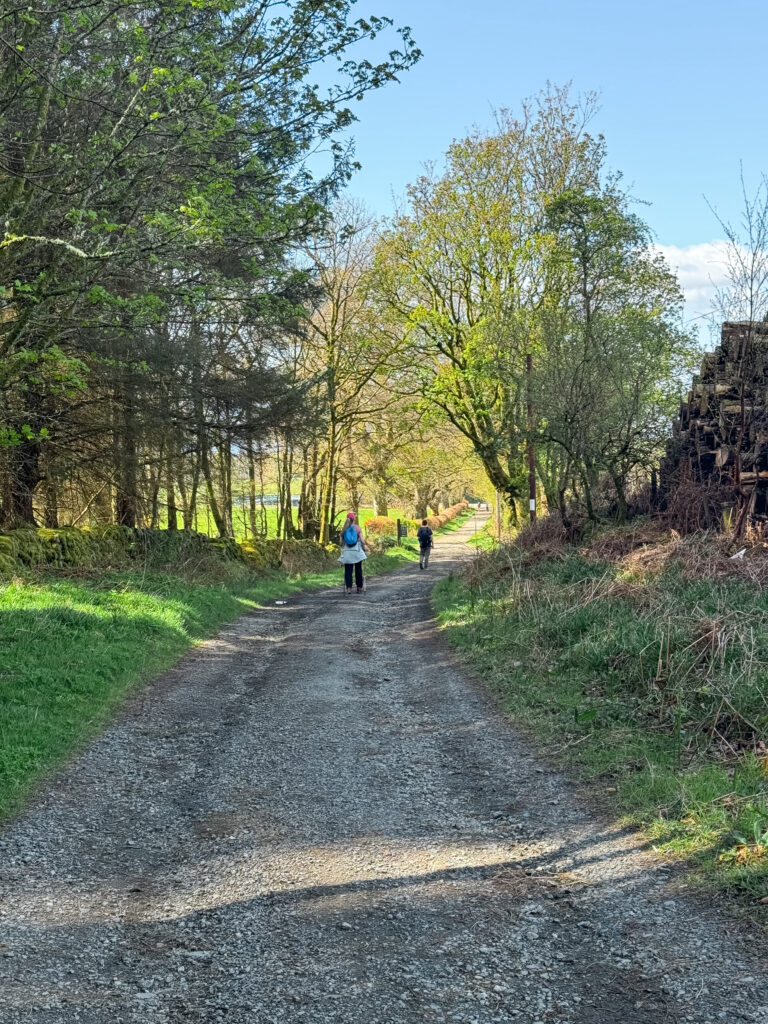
(318, 818)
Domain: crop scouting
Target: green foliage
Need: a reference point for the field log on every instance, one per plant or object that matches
(469, 271)
(484, 539)
(384, 542)
(157, 188)
(614, 353)
(535, 307)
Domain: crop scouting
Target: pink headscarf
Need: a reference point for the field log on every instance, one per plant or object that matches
(350, 515)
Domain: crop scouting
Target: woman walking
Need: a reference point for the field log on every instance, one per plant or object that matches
(352, 554)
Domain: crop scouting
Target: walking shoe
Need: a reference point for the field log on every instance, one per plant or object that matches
(348, 590)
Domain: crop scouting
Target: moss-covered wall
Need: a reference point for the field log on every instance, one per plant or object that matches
(115, 546)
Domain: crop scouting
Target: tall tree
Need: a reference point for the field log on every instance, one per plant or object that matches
(348, 346)
(614, 354)
(156, 160)
(467, 268)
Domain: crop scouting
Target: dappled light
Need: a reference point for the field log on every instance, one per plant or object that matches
(322, 878)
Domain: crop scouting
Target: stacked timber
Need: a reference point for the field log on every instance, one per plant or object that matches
(721, 434)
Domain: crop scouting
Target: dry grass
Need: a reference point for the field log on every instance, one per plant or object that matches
(646, 548)
(641, 656)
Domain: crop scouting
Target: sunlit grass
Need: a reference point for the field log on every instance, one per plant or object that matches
(242, 525)
(72, 647)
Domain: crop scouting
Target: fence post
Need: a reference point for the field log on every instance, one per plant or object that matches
(398, 533)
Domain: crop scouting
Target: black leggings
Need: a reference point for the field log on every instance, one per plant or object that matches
(358, 567)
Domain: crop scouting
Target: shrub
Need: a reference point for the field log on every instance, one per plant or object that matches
(301, 556)
(435, 522)
(381, 526)
(448, 514)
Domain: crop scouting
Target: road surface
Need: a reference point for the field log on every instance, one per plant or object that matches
(318, 817)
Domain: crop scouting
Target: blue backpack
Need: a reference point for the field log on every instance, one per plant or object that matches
(350, 536)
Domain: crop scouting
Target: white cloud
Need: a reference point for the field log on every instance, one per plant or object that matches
(700, 269)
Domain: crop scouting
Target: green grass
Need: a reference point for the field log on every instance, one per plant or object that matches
(241, 521)
(458, 522)
(653, 689)
(72, 646)
(484, 539)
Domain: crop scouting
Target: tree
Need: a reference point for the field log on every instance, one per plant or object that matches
(468, 271)
(436, 470)
(547, 330)
(348, 346)
(614, 354)
(156, 166)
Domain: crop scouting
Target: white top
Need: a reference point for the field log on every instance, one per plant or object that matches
(356, 553)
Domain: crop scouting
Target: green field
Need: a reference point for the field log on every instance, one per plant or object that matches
(241, 523)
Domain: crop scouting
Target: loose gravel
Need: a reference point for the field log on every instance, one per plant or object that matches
(317, 817)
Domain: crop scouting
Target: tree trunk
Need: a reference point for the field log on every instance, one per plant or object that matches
(620, 485)
(309, 518)
(501, 480)
(285, 497)
(51, 501)
(23, 477)
(210, 487)
(381, 498)
(190, 504)
(587, 482)
(228, 503)
(252, 487)
(126, 462)
(101, 510)
(421, 500)
(334, 494)
(173, 519)
(328, 485)
(155, 477)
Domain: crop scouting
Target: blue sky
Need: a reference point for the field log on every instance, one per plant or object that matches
(682, 87)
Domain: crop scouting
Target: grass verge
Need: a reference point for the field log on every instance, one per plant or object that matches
(458, 522)
(73, 644)
(646, 673)
(484, 539)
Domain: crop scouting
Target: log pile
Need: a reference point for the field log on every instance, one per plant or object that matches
(721, 435)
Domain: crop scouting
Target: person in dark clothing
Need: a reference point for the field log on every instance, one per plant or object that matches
(424, 535)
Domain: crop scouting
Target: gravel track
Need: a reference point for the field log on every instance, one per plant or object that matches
(317, 817)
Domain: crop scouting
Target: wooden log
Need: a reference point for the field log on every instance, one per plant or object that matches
(725, 457)
(734, 409)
